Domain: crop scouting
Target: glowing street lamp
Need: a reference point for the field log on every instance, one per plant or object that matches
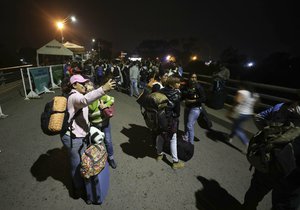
(60, 25)
(194, 58)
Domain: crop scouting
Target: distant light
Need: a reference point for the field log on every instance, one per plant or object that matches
(135, 59)
(168, 57)
(208, 62)
(250, 64)
(194, 58)
(73, 18)
(93, 40)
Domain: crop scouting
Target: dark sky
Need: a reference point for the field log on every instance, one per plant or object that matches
(255, 27)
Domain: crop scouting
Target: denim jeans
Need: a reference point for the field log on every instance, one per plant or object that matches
(190, 117)
(173, 145)
(238, 130)
(106, 129)
(75, 151)
(133, 87)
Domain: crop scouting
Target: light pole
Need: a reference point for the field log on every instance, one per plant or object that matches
(60, 25)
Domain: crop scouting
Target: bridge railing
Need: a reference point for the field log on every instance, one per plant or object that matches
(269, 94)
(10, 78)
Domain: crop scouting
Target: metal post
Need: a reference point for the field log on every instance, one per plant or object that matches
(62, 36)
(24, 85)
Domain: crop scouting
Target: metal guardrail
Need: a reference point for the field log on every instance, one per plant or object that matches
(10, 77)
(269, 94)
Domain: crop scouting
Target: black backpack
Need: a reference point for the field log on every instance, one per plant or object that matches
(48, 112)
(267, 147)
(154, 112)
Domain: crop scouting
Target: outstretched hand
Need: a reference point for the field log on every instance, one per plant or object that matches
(111, 84)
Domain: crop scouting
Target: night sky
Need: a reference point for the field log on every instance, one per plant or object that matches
(255, 27)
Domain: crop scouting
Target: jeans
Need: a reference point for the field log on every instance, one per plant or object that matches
(133, 87)
(173, 145)
(190, 117)
(75, 151)
(106, 129)
(237, 129)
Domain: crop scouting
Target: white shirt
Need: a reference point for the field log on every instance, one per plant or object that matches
(246, 106)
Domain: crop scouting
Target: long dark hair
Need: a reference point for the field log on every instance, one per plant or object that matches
(66, 86)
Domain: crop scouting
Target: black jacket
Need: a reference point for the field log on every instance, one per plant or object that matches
(194, 91)
(174, 96)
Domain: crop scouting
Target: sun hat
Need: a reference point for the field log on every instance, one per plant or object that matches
(77, 78)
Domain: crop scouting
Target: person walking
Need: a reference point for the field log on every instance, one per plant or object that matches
(243, 110)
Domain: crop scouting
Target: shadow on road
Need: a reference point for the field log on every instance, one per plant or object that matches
(214, 197)
(222, 137)
(140, 142)
(53, 164)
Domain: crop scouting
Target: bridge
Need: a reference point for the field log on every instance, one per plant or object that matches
(34, 167)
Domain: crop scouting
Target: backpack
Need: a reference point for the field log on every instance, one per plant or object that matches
(54, 118)
(268, 144)
(93, 160)
(99, 71)
(154, 113)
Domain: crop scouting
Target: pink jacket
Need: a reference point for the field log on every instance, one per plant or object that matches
(76, 101)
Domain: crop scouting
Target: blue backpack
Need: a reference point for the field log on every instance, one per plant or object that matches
(99, 71)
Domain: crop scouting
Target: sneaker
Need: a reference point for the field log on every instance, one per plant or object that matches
(229, 140)
(159, 157)
(112, 163)
(88, 202)
(177, 165)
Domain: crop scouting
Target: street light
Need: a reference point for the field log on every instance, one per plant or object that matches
(60, 25)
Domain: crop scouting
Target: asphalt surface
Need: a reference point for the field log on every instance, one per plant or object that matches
(34, 168)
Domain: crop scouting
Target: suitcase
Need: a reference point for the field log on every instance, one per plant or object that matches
(97, 186)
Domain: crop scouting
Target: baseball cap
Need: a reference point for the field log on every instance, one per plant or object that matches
(77, 78)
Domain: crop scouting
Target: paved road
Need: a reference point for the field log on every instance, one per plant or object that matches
(34, 169)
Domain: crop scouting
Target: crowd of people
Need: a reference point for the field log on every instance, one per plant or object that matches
(87, 87)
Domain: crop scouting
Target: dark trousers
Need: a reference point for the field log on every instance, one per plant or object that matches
(285, 191)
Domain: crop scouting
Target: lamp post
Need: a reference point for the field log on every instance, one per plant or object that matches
(60, 25)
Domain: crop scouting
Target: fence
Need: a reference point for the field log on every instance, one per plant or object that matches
(10, 78)
(269, 94)
(35, 80)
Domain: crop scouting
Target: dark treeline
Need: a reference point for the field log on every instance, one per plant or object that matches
(279, 68)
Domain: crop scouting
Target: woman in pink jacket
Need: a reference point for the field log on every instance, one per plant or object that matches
(74, 138)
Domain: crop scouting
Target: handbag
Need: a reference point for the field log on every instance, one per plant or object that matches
(93, 160)
(109, 111)
(203, 119)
